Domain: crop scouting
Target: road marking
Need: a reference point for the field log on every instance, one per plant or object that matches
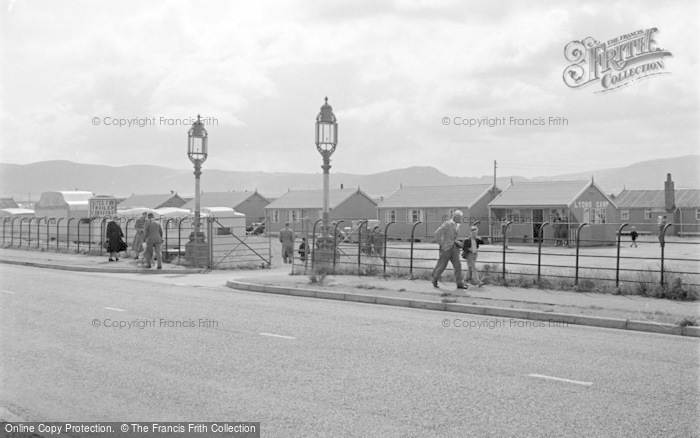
(8, 292)
(112, 308)
(277, 336)
(577, 382)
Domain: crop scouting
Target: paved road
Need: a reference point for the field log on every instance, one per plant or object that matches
(305, 367)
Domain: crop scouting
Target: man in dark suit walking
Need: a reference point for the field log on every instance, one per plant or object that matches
(153, 234)
(446, 237)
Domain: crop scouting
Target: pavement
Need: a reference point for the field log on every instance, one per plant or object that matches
(592, 309)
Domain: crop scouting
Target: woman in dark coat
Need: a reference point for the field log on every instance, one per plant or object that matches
(115, 244)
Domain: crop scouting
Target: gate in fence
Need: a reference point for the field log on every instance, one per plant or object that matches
(234, 247)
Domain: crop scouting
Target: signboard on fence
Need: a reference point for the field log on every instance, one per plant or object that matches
(102, 206)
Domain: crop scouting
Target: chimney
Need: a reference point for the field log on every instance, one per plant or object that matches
(669, 194)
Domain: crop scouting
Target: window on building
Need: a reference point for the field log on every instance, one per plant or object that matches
(697, 214)
(390, 215)
(415, 216)
(292, 216)
(594, 215)
(275, 216)
(647, 214)
(624, 215)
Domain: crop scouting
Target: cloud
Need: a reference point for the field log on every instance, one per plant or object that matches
(392, 71)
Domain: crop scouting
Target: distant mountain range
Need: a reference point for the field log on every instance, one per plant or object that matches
(30, 180)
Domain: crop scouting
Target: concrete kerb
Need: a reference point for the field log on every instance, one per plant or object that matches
(593, 321)
(94, 269)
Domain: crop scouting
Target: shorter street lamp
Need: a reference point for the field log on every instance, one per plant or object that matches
(197, 151)
(196, 250)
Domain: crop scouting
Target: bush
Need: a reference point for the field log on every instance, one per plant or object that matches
(689, 321)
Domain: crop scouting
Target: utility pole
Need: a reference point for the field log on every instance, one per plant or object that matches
(494, 178)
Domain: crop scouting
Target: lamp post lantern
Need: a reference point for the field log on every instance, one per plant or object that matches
(197, 151)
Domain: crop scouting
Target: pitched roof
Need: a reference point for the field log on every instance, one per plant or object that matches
(685, 198)
(311, 199)
(148, 201)
(75, 197)
(221, 199)
(436, 196)
(8, 203)
(540, 193)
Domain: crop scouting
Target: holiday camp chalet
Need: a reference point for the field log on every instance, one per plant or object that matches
(251, 204)
(432, 206)
(529, 204)
(296, 205)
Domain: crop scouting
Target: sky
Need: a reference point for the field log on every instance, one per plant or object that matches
(119, 83)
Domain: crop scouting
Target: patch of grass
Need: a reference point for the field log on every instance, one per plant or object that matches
(369, 287)
(585, 285)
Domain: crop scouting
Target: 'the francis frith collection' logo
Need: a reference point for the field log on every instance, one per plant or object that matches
(614, 63)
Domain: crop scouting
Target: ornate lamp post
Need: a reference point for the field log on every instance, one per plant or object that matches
(196, 250)
(197, 151)
(326, 141)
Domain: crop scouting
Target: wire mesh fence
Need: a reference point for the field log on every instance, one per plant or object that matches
(226, 245)
(668, 261)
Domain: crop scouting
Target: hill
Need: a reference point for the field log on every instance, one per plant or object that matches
(30, 180)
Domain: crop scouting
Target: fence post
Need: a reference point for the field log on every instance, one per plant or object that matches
(20, 230)
(210, 232)
(126, 234)
(4, 221)
(167, 222)
(90, 219)
(58, 238)
(539, 250)
(335, 241)
(12, 230)
(578, 240)
(617, 266)
(48, 221)
(413, 230)
(359, 244)
(38, 231)
(29, 232)
(313, 244)
(68, 233)
(386, 231)
(663, 246)
(179, 238)
(505, 239)
(103, 233)
(79, 221)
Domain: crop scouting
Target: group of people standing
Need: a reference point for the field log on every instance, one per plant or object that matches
(373, 244)
(146, 244)
(451, 249)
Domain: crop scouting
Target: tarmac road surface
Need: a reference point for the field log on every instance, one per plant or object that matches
(305, 367)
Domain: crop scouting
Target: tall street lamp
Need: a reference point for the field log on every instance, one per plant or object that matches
(326, 141)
